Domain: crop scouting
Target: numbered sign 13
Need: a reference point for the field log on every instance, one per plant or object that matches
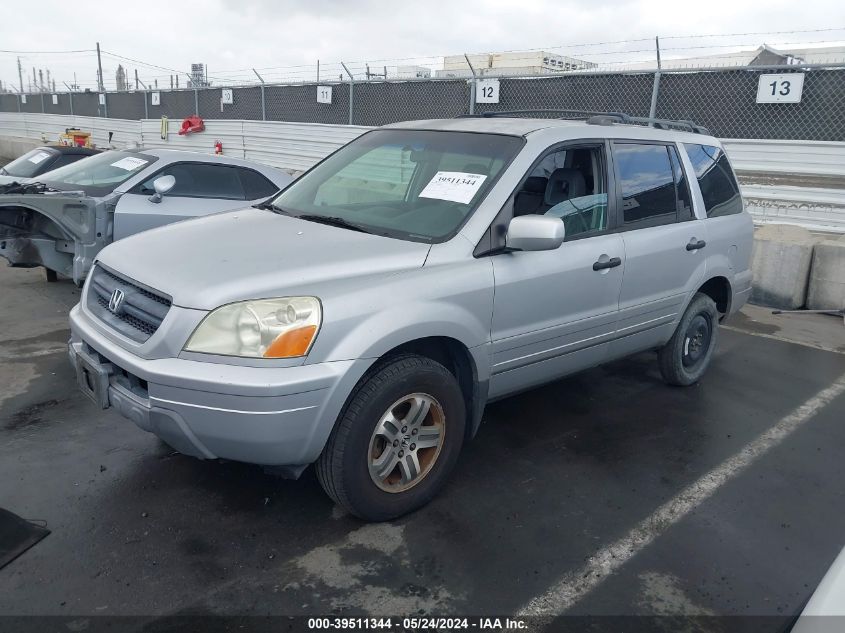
(782, 88)
(324, 94)
(487, 91)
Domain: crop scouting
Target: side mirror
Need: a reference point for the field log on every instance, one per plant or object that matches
(162, 185)
(535, 233)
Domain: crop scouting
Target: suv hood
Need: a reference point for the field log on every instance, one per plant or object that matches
(250, 254)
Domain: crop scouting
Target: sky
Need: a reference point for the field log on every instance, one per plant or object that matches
(284, 39)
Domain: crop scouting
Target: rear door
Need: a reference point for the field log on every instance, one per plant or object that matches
(664, 242)
(555, 311)
(200, 189)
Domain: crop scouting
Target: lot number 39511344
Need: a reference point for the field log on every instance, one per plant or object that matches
(781, 88)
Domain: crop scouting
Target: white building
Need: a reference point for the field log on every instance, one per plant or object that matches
(510, 64)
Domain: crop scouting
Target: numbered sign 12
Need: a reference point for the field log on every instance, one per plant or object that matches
(487, 91)
(781, 88)
(324, 94)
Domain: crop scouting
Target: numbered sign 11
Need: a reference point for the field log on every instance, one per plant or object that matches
(324, 94)
(487, 91)
(782, 88)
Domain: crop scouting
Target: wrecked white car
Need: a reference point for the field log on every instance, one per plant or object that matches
(65, 218)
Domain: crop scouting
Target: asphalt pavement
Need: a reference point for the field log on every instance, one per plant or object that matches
(606, 493)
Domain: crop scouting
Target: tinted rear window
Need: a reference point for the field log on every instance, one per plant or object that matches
(647, 183)
(716, 180)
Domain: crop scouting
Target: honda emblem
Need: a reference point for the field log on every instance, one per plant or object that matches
(116, 301)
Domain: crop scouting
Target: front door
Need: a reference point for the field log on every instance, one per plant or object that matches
(555, 311)
(200, 189)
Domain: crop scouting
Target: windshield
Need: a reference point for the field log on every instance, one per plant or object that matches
(30, 163)
(411, 184)
(101, 172)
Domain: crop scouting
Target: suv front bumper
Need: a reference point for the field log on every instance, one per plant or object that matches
(275, 416)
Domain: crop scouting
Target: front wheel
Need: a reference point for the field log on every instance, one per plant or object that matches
(397, 441)
(685, 358)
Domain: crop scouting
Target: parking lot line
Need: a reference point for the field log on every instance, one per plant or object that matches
(775, 337)
(574, 585)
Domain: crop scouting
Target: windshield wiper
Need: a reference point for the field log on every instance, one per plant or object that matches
(333, 221)
(269, 206)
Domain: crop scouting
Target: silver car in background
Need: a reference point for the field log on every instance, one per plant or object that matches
(64, 217)
(364, 318)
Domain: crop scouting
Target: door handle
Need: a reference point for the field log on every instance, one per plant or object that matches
(695, 244)
(613, 262)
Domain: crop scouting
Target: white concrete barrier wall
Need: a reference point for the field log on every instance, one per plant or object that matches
(297, 146)
(802, 158)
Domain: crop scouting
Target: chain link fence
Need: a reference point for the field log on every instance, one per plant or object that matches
(724, 100)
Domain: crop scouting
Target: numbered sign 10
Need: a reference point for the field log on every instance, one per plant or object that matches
(324, 94)
(783, 88)
(487, 91)
(227, 96)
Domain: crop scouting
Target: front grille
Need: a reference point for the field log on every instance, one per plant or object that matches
(139, 315)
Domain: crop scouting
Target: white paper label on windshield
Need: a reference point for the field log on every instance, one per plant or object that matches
(129, 163)
(38, 158)
(456, 186)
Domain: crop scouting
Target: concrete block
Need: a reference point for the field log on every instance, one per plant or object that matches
(827, 276)
(780, 260)
(11, 147)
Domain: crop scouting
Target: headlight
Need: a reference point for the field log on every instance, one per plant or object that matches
(268, 328)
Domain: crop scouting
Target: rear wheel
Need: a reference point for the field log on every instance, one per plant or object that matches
(685, 358)
(397, 441)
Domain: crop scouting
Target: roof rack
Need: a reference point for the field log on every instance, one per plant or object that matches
(511, 113)
(611, 118)
(594, 117)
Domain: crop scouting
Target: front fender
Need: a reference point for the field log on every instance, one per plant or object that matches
(450, 300)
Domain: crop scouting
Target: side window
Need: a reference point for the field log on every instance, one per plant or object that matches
(255, 185)
(647, 184)
(199, 180)
(715, 179)
(685, 211)
(570, 184)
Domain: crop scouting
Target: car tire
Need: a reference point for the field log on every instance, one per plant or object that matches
(405, 398)
(685, 358)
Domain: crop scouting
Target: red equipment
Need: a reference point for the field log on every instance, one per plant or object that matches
(218, 147)
(192, 124)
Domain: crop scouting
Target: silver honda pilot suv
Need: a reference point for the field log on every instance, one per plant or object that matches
(363, 318)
